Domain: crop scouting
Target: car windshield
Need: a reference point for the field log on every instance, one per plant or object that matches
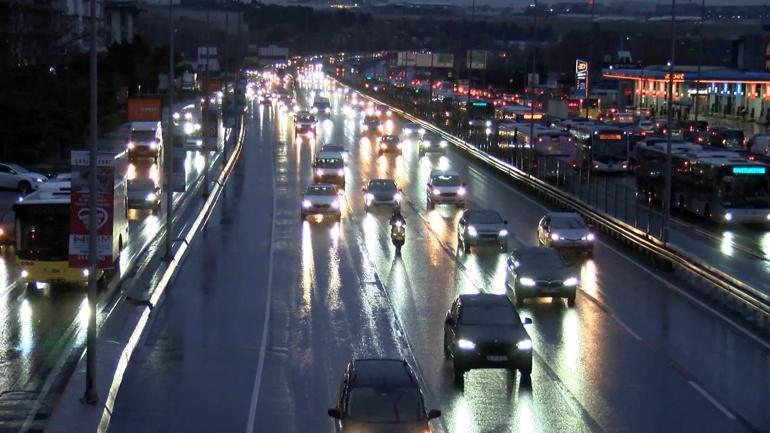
(395, 405)
(44, 232)
(542, 258)
(484, 217)
(321, 190)
(329, 163)
(446, 180)
(567, 222)
(488, 314)
(382, 186)
(431, 137)
(142, 135)
(141, 184)
(18, 168)
(305, 118)
(333, 148)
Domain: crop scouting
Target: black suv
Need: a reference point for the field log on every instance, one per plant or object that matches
(484, 330)
(381, 395)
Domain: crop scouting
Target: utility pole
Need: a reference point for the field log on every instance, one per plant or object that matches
(168, 149)
(206, 103)
(700, 56)
(590, 58)
(532, 92)
(667, 192)
(469, 53)
(91, 397)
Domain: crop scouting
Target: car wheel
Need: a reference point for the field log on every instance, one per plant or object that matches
(526, 370)
(466, 247)
(519, 299)
(24, 187)
(366, 208)
(504, 247)
(447, 353)
(459, 377)
(431, 205)
(571, 300)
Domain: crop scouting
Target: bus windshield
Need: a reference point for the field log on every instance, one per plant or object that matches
(609, 146)
(746, 191)
(44, 232)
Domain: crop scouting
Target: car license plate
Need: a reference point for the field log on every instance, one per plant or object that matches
(497, 358)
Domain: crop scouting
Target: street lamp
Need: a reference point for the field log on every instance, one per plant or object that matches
(667, 191)
(531, 92)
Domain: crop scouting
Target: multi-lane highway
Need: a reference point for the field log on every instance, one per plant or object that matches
(255, 333)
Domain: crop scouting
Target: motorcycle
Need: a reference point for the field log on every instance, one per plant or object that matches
(398, 235)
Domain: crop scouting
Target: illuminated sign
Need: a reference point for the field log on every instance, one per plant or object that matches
(479, 104)
(581, 78)
(530, 116)
(750, 170)
(610, 136)
(678, 76)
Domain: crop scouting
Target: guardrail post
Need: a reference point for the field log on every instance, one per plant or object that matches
(625, 204)
(636, 209)
(649, 212)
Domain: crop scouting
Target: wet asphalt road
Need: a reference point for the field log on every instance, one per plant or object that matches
(636, 354)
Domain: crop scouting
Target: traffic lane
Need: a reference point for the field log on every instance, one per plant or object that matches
(683, 386)
(328, 307)
(204, 341)
(675, 330)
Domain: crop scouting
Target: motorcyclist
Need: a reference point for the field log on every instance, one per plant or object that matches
(397, 217)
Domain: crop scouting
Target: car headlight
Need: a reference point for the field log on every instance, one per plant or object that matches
(421, 131)
(131, 145)
(24, 274)
(729, 216)
(472, 231)
(425, 143)
(461, 191)
(503, 233)
(319, 172)
(336, 204)
(306, 204)
(589, 237)
(327, 110)
(442, 143)
(571, 282)
(151, 197)
(527, 282)
(189, 128)
(340, 172)
(524, 345)
(369, 197)
(436, 191)
(84, 273)
(39, 179)
(466, 344)
(555, 236)
(488, 123)
(153, 145)
(397, 197)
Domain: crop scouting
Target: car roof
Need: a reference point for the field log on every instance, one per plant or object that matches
(484, 299)
(328, 154)
(437, 172)
(565, 215)
(321, 185)
(382, 373)
(471, 212)
(382, 180)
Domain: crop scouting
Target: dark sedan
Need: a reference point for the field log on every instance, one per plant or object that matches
(381, 396)
(389, 144)
(485, 331)
(536, 272)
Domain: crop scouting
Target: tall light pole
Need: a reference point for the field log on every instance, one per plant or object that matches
(530, 84)
(590, 59)
(700, 56)
(91, 396)
(667, 192)
(168, 149)
(469, 53)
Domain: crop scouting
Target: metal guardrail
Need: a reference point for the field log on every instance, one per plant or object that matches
(752, 304)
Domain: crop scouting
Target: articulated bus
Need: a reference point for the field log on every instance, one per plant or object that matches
(518, 113)
(42, 233)
(718, 185)
(601, 148)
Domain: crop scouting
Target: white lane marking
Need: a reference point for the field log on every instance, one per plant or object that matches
(263, 345)
(713, 401)
(657, 277)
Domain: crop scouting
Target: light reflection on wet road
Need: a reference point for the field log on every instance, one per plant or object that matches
(624, 359)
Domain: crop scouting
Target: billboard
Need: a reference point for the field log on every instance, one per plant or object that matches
(143, 109)
(79, 210)
(443, 60)
(405, 58)
(476, 59)
(581, 78)
(423, 60)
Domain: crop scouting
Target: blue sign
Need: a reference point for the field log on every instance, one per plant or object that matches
(751, 170)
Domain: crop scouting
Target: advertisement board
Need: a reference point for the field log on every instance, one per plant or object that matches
(476, 59)
(143, 109)
(423, 60)
(443, 60)
(79, 210)
(405, 58)
(581, 78)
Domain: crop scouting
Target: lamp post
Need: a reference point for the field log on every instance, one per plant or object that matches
(532, 92)
(667, 192)
(469, 53)
(91, 396)
(700, 56)
(169, 147)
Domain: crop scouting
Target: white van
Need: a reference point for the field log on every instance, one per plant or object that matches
(145, 140)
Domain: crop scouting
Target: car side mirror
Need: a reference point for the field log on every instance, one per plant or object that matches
(505, 222)
(526, 321)
(334, 413)
(434, 413)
